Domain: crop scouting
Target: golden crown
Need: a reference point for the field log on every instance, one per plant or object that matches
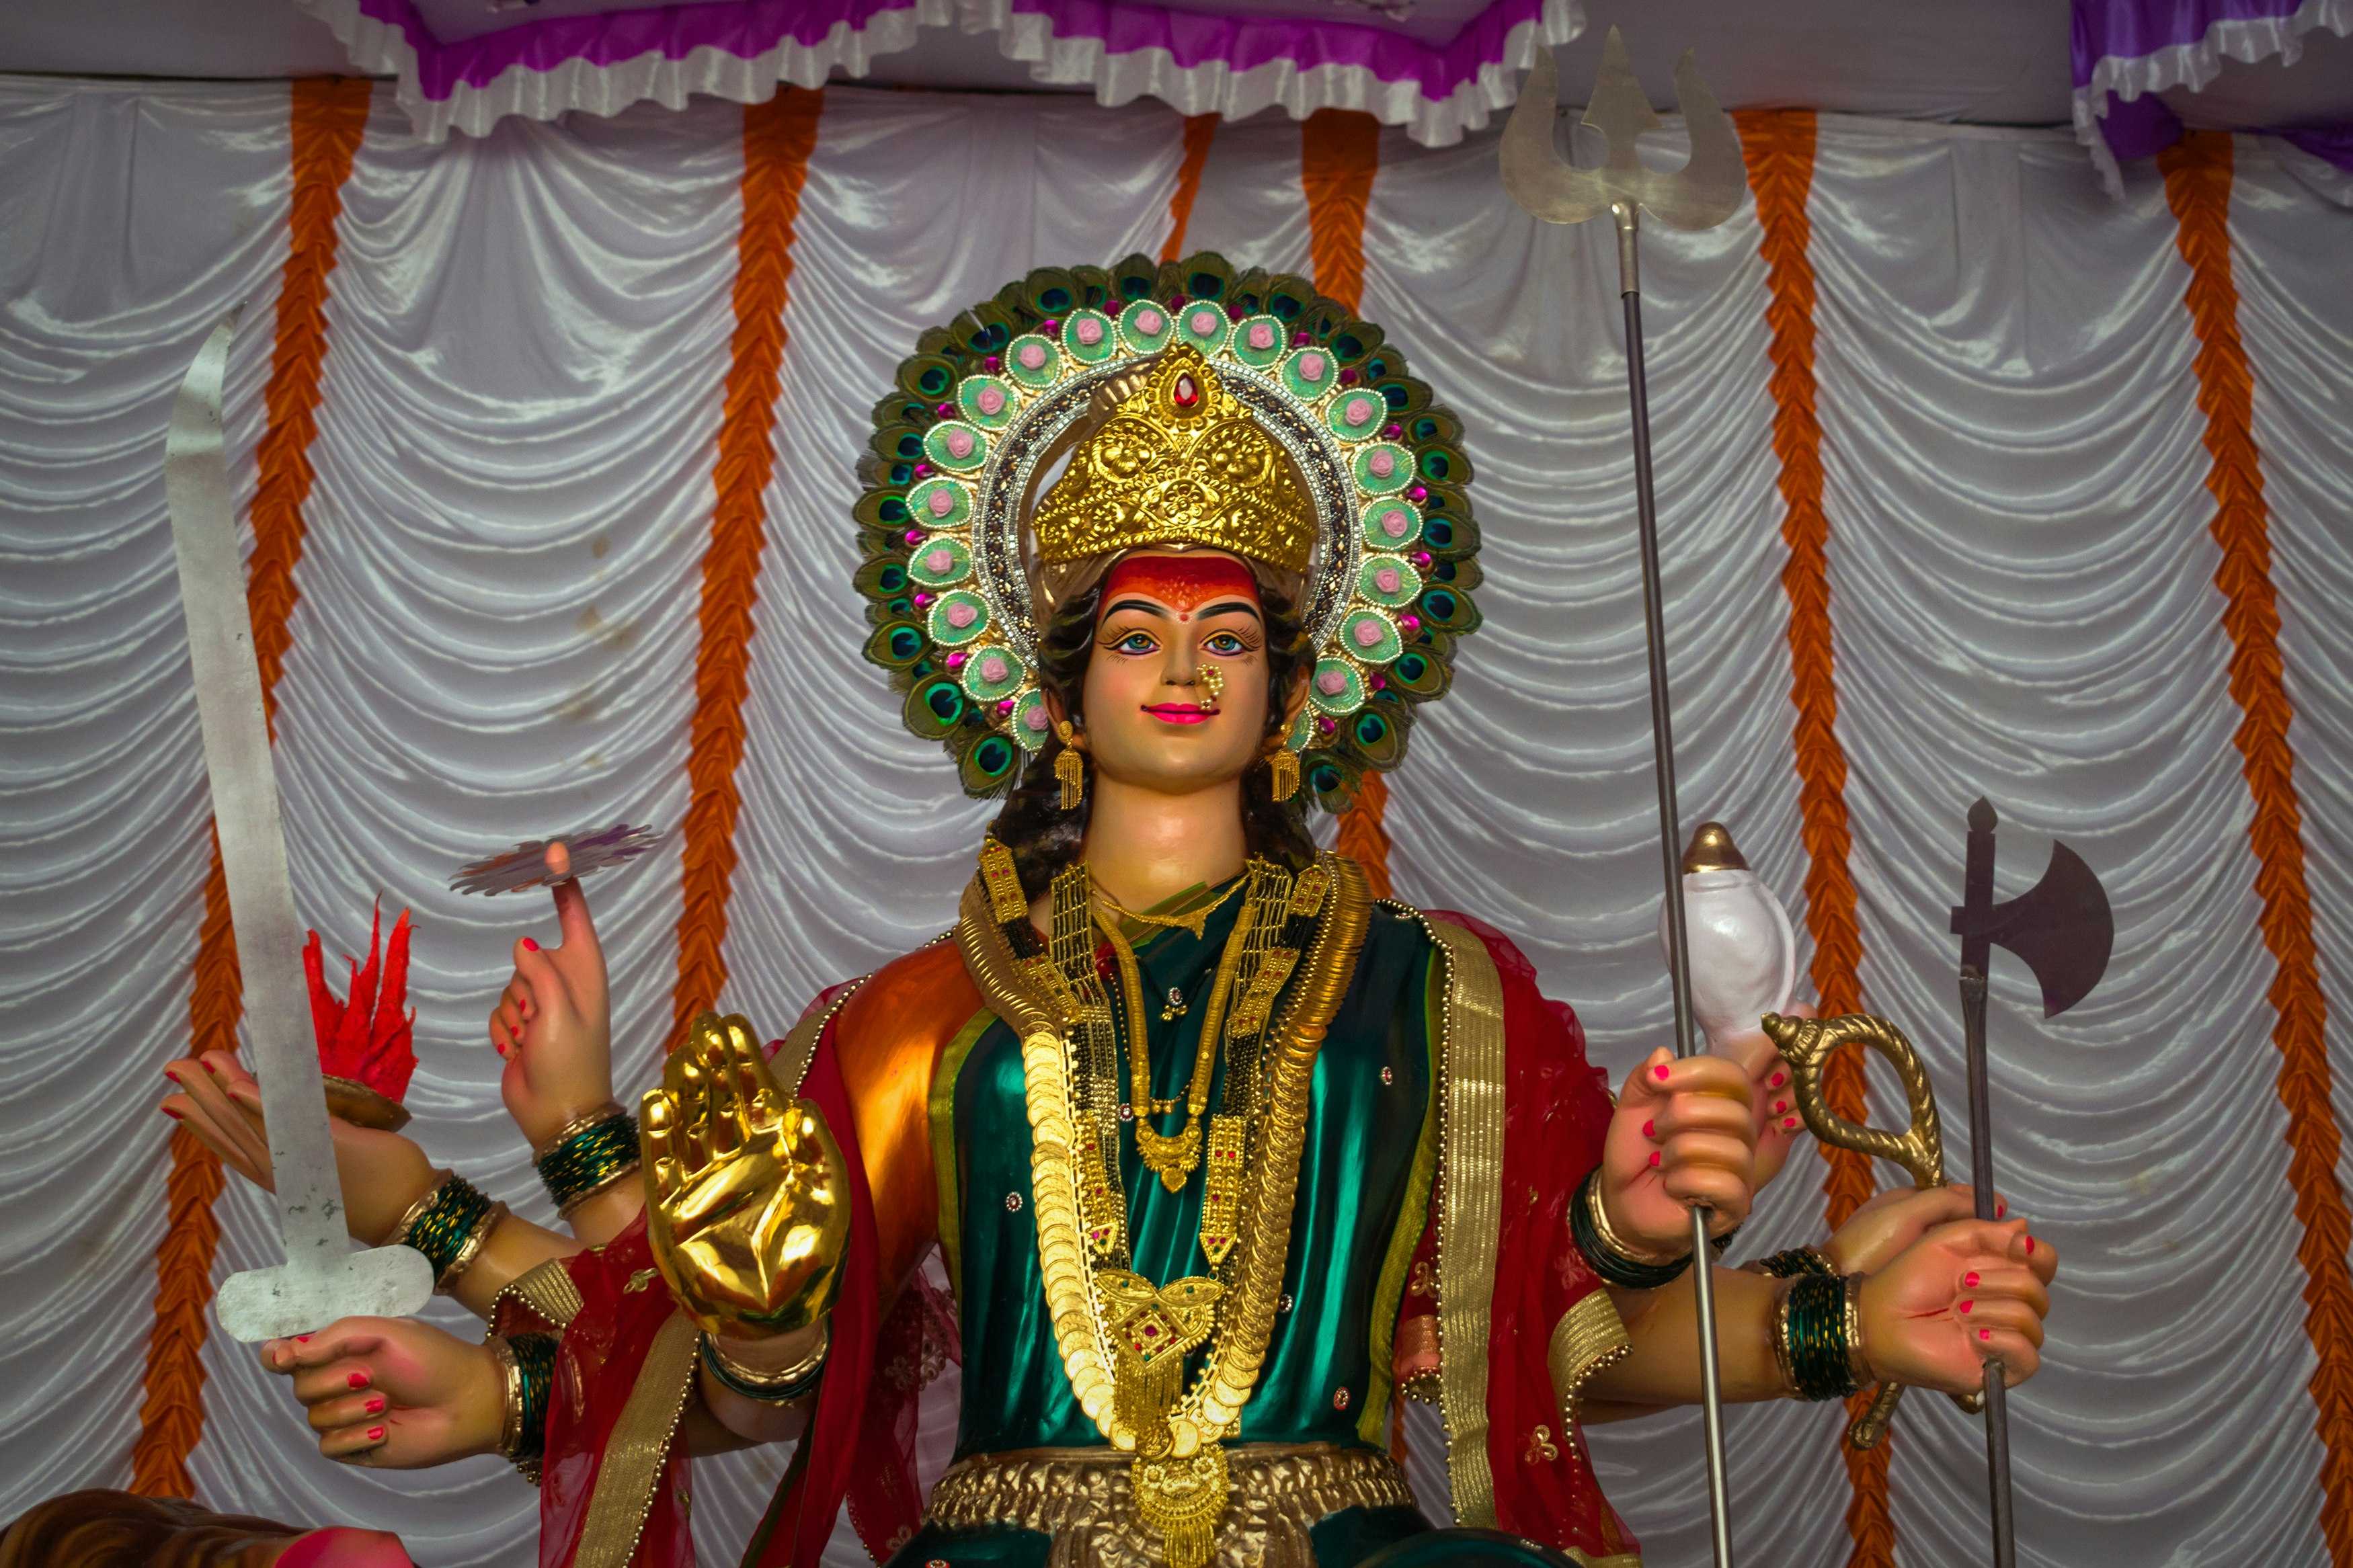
(1179, 462)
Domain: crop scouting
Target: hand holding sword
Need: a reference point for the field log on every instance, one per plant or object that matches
(322, 1278)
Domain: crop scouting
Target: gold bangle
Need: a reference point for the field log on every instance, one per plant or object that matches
(471, 1249)
(398, 1235)
(510, 1379)
(799, 1372)
(1598, 1212)
(580, 1123)
(1858, 1366)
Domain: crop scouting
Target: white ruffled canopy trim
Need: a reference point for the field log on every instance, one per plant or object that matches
(1214, 87)
(2193, 65)
(379, 48)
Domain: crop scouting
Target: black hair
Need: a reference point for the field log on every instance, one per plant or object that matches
(1044, 839)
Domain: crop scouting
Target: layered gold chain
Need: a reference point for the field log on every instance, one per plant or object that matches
(1123, 1340)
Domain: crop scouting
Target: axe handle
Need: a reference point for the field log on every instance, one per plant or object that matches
(1997, 1407)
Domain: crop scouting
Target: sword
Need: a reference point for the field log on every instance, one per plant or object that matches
(322, 1278)
(2064, 931)
(1704, 193)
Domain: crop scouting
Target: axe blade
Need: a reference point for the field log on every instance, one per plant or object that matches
(2062, 927)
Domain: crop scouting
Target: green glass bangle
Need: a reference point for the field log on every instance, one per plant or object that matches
(588, 1157)
(1814, 1338)
(1797, 1262)
(766, 1393)
(441, 1225)
(1613, 1265)
(534, 1357)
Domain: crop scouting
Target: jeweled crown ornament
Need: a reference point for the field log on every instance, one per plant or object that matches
(1179, 462)
(1200, 404)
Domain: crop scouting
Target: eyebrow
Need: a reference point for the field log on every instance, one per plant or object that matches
(1222, 607)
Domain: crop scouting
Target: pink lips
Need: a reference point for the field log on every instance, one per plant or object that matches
(1179, 712)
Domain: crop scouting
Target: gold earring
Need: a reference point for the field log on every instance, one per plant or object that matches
(1070, 768)
(1283, 771)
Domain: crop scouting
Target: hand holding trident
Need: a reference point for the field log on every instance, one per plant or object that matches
(1704, 193)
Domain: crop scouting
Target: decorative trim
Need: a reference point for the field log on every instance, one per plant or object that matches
(326, 116)
(1470, 1205)
(946, 1172)
(603, 63)
(2197, 172)
(545, 1290)
(1413, 1218)
(638, 1448)
(1779, 148)
(1235, 67)
(2192, 64)
(778, 137)
(1588, 1337)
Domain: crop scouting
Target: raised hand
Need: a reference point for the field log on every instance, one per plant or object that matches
(1963, 1293)
(1684, 1133)
(220, 1104)
(554, 1023)
(394, 1393)
(747, 1203)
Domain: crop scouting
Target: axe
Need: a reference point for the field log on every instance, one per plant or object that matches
(1704, 193)
(2063, 928)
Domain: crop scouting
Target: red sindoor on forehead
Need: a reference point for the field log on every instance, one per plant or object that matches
(1181, 582)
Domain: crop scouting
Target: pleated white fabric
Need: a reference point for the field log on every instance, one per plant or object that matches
(528, 341)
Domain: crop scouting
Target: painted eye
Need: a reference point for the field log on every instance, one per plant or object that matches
(1225, 643)
(1135, 642)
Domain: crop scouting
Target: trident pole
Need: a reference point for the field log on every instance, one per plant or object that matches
(1671, 837)
(1702, 193)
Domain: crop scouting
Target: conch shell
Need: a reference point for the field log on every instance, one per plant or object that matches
(1744, 956)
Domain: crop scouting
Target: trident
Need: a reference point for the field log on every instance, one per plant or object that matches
(1707, 191)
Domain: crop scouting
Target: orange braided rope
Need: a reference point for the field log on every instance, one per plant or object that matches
(1340, 151)
(2197, 171)
(1200, 129)
(1779, 147)
(327, 116)
(778, 137)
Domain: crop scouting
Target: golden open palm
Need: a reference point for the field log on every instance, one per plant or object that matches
(747, 1204)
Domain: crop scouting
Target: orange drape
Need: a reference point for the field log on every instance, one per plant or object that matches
(2198, 185)
(327, 116)
(778, 136)
(1200, 129)
(1340, 151)
(1779, 146)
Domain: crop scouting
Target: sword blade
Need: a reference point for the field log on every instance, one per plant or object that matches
(260, 894)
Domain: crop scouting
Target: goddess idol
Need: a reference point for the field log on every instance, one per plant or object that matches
(1223, 1153)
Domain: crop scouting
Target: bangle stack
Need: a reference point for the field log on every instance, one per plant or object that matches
(527, 1363)
(448, 1224)
(1617, 1263)
(769, 1387)
(1797, 1262)
(1818, 1336)
(591, 1154)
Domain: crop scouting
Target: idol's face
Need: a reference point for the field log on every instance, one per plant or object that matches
(1176, 686)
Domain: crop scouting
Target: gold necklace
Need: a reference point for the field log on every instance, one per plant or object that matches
(1122, 1341)
(1193, 920)
(1173, 1157)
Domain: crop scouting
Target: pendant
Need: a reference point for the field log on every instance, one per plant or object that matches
(1176, 1008)
(1183, 1499)
(1171, 1159)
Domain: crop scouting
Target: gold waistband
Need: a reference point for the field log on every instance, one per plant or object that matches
(1081, 1498)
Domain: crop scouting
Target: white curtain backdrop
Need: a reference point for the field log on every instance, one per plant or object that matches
(528, 337)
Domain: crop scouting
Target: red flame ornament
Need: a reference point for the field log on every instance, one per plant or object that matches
(365, 1051)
